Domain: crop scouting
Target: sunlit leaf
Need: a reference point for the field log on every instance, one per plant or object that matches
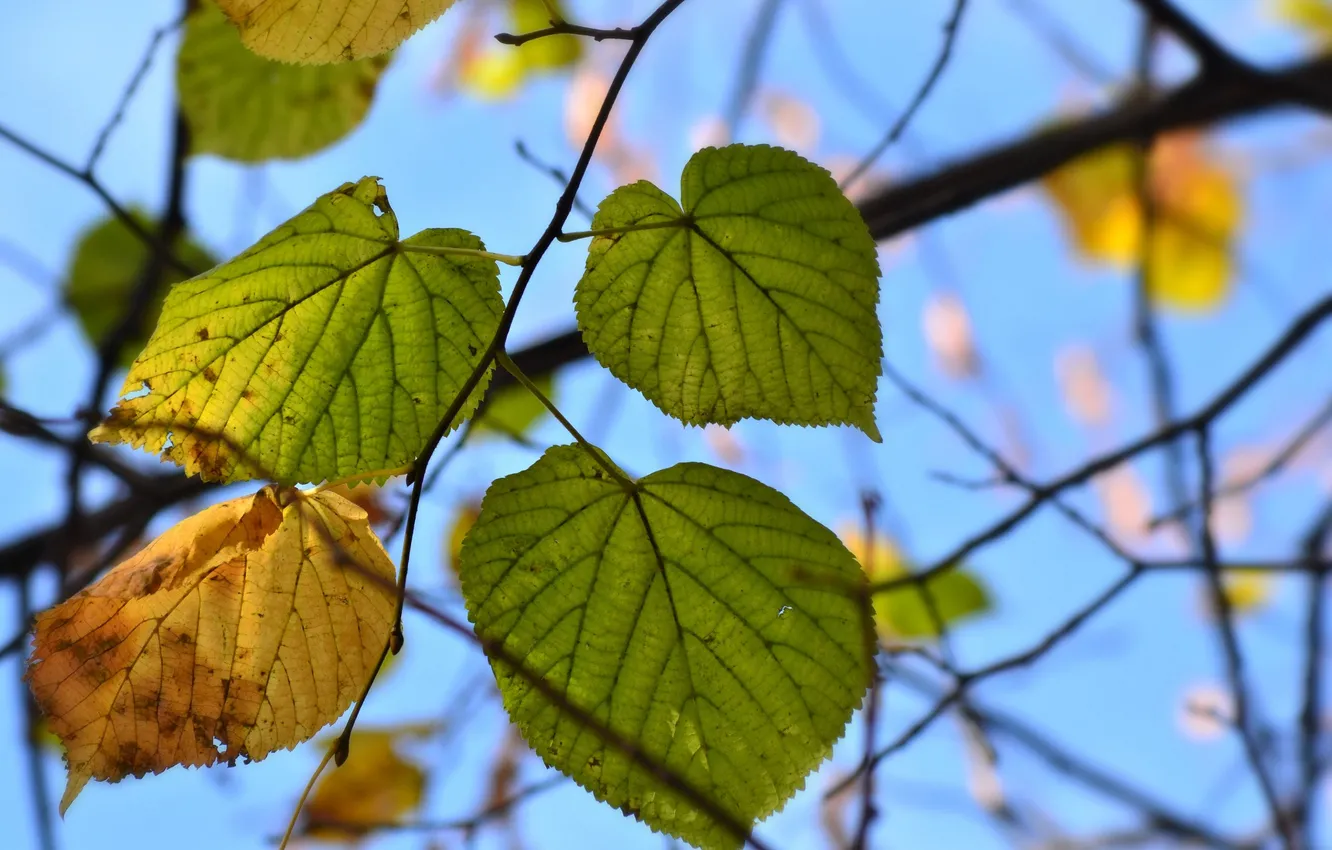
(108, 263)
(323, 31)
(375, 787)
(248, 108)
(241, 630)
(1197, 211)
(754, 297)
(328, 349)
(904, 613)
(697, 613)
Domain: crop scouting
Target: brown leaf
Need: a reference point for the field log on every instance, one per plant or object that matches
(242, 630)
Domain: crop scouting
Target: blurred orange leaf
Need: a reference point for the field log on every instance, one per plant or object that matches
(1198, 211)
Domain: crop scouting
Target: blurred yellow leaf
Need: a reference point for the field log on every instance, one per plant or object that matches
(462, 523)
(374, 787)
(493, 73)
(1248, 590)
(1314, 17)
(1197, 206)
(496, 71)
(903, 613)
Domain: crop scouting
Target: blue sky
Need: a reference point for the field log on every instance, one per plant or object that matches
(1112, 693)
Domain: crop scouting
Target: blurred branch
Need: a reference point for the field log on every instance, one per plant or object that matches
(1231, 652)
(1290, 341)
(751, 63)
(951, 27)
(1310, 717)
(1274, 466)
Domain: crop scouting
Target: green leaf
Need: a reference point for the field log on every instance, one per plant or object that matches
(498, 71)
(697, 613)
(551, 53)
(328, 349)
(514, 410)
(244, 107)
(753, 297)
(106, 267)
(903, 612)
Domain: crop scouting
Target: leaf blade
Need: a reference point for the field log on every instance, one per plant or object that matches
(168, 659)
(755, 296)
(707, 643)
(247, 108)
(326, 31)
(274, 364)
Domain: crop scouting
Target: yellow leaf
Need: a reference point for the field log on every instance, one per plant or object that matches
(1312, 16)
(1197, 207)
(1249, 590)
(462, 524)
(375, 787)
(494, 73)
(318, 32)
(242, 630)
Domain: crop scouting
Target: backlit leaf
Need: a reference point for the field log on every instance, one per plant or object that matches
(1197, 214)
(324, 31)
(957, 594)
(108, 263)
(248, 108)
(374, 787)
(753, 297)
(242, 630)
(326, 350)
(698, 614)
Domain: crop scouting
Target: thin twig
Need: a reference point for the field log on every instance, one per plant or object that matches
(951, 28)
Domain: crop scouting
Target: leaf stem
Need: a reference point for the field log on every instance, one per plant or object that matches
(300, 804)
(449, 251)
(683, 221)
(629, 486)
